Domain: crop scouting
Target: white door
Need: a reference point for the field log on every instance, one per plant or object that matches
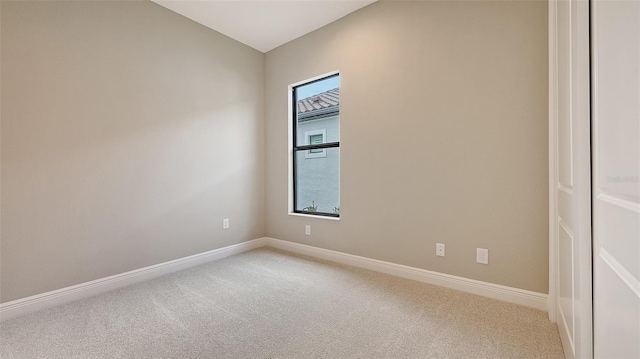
(570, 181)
(616, 178)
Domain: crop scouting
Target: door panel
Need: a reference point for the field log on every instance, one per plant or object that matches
(616, 190)
(572, 183)
(565, 166)
(567, 282)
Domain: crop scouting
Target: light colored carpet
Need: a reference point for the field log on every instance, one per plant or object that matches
(271, 304)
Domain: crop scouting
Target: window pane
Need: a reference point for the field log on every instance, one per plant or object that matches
(318, 108)
(318, 182)
(315, 140)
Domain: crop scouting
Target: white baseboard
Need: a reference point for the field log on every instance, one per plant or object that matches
(495, 291)
(61, 296)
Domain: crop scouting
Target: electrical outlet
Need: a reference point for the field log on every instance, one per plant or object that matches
(482, 255)
(307, 230)
(440, 249)
(225, 223)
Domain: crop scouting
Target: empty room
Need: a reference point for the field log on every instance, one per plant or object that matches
(320, 179)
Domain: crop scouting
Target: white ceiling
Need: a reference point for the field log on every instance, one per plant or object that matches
(264, 24)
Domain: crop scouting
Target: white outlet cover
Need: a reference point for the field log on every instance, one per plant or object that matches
(440, 249)
(225, 223)
(307, 230)
(482, 255)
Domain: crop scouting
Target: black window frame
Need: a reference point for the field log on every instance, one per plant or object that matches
(296, 148)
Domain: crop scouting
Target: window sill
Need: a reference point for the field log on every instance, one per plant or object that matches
(312, 216)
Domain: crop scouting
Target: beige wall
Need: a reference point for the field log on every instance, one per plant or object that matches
(128, 133)
(443, 136)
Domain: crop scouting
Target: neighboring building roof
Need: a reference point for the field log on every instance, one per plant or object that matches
(321, 105)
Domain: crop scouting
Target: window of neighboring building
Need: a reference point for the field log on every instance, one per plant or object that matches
(315, 140)
(316, 147)
(315, 137)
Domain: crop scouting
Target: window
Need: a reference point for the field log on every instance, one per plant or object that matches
(315, 137)
(315, 140)
(315, 132)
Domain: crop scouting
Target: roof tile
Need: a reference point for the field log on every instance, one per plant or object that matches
(320, 101)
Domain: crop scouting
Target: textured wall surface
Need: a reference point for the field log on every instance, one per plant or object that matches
(128, 133)
(443, 115)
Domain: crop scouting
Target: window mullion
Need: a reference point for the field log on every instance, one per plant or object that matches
(319, 146)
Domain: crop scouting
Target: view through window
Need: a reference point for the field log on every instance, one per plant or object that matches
(316, 147)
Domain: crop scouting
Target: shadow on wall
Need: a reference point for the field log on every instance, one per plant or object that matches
(127, 130)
